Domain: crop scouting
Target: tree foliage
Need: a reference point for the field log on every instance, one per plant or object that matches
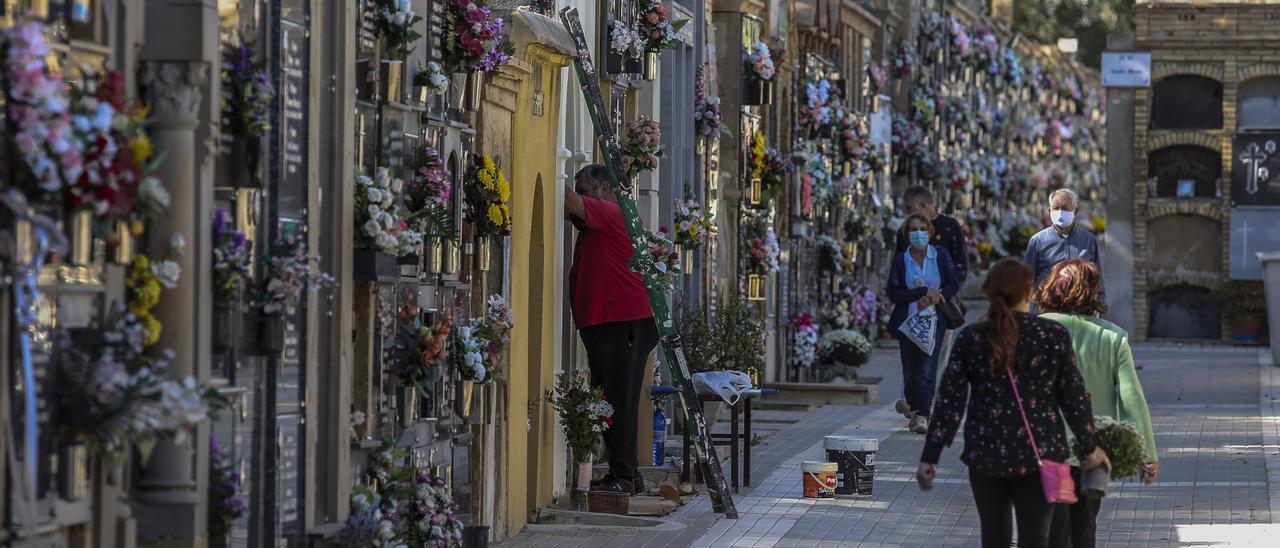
(1089, 21)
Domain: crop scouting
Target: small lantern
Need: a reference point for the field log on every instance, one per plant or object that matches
(756, 284)
(484, 254)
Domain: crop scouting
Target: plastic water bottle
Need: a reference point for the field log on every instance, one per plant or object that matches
(659, 435)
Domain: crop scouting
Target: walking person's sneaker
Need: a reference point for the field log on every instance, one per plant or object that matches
(639, 485)
(615, 484)
(919, 424)
(902, 407)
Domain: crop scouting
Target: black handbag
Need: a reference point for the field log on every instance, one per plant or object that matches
(951, 314)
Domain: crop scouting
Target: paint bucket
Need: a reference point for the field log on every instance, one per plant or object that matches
(819, 479)
(855, 458)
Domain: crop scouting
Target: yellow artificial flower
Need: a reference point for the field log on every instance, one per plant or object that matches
(504, 189)
(153, 329)
(495, 215)
(140, 146)
(140, 115)
(489, 165)
(486, 178)
(143, 297)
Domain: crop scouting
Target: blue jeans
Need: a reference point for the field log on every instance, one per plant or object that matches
(919, 375)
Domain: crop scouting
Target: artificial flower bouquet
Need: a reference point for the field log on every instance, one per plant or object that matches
(584, 414)
(759, 62)
(432, 76)
(475, 40)
(114, 394)
(488, 198)
(762, 244)
(804, 340)
(430, 186)
(707, 118)
(476, 348)
(626, 41)
(290, 272)
(658, 258)
(693, 224)
(770, 166)
(377, 215)
(642, 146)
(830, 256)
(814, 113)
(655, 26)
(251, 94)
(395, 23)
(232, 255)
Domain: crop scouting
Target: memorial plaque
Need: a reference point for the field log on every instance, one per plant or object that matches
(294, 129)
(289, 477)
(1255, 169)
(1253, 229)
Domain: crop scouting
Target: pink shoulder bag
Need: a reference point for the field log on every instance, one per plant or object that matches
(1055, 477)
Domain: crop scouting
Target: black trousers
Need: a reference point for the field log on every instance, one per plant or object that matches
(617, 354)
(1076, 525)
(995, 497)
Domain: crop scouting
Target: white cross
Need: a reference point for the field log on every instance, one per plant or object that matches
(1244, 242)
(1254, 157)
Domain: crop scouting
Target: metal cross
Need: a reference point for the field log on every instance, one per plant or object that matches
(1254, 157)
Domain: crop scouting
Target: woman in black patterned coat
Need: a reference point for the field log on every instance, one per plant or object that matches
(1003, 468)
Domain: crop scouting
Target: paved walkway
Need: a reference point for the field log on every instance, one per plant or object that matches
(1217, 427)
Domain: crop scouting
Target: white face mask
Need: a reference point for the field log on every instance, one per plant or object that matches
(1062, 218)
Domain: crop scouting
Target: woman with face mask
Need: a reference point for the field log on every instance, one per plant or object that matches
(920, 278)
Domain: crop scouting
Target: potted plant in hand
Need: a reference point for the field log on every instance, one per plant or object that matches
(1244, 303)
(1125, 449)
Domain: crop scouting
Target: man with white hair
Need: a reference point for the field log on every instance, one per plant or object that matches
(1064, 240)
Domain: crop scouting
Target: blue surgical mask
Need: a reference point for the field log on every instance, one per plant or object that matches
(919, 238)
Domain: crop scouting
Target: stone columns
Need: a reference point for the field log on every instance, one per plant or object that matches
(1117, 241)
(172, 485)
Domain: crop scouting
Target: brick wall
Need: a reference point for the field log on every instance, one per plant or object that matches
(1230, 43)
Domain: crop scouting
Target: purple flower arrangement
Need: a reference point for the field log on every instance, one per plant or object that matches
(291, 272)
(226, 504)
(478, 41)
(707, 118)
(430, 185)
(251, 92)
(232, 255)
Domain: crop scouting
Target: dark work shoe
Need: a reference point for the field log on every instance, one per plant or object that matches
(639, 482)
(606, 479)
(615, 485)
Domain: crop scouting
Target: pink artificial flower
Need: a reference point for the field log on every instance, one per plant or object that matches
(653, 18)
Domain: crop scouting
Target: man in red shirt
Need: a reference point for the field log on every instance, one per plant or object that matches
(612, 312)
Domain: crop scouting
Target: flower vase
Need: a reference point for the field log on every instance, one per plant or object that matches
(391, 76)
(227, 330)
(1093, 482)
(755, 378)
(700, 146)
(434, 263)
(73, 471)
(462, 393)
(124, 245)
(474, 82)
(686, 261)
(650, 65)
(408, 405)
(582, 483)
(271, 334)
(484, 253)
(756, 287)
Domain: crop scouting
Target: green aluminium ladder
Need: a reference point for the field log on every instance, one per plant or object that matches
(703, 449)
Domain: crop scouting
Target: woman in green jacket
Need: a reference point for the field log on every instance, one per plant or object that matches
(1070, 296)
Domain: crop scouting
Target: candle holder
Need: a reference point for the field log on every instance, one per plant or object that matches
(756, 284)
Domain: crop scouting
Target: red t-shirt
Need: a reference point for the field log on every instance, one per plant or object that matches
(602, 287)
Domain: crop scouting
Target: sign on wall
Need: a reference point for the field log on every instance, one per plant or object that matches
(1255, 169)
(1126, 69)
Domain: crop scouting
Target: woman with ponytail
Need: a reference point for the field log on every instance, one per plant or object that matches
(1017, 373)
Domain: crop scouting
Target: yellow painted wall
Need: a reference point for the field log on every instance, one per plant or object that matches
(534, 275)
